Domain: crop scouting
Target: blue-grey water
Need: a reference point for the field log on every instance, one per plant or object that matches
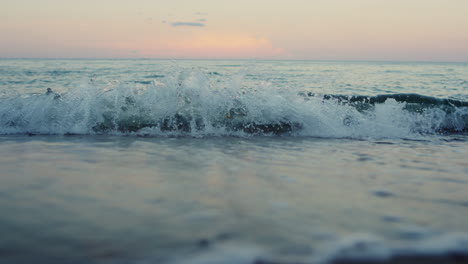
(152, 161)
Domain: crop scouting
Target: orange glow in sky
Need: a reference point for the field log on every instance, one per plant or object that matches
(408, 30)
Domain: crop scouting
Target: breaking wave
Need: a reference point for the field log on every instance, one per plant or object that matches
(197, 103)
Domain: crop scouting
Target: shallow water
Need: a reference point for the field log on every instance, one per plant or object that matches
(124, 199)
(385, 186)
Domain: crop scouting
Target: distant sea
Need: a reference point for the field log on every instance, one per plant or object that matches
(233, 161)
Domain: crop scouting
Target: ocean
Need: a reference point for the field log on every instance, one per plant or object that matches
(233, 161)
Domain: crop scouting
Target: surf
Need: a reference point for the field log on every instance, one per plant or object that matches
(193, 102)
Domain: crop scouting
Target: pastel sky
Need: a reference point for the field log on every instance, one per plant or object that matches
(408, 30)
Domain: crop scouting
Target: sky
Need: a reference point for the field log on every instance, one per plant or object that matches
(386, 30)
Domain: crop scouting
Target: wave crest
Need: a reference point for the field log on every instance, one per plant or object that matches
(196, 103)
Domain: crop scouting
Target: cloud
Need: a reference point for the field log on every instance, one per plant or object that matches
(187, 24)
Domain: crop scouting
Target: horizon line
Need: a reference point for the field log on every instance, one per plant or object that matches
(239, 59)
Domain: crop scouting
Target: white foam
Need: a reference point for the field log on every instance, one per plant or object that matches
(367, 247)
(353, 248)
(212, 107)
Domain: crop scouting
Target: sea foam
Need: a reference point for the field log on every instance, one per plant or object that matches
(192, 102)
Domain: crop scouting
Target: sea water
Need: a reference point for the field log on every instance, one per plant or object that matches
(153, 161)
